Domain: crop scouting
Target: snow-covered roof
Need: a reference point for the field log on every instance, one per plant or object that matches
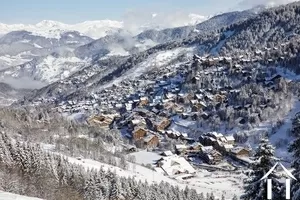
(175, 164)
(217, 135)
(207, 149)
(236, 150)
(136, 121)
(180, 146)
(228, 146)
(229, 138)
(144, 98)
(168, 153)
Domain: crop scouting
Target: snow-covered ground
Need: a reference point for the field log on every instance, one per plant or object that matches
(152, 62)
(8, 61)
(50, 69)
(11, 196)
(227, 183)
(282, 133)
(215, 50)
(145, 157)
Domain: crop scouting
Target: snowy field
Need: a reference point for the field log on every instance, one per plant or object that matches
(144, 157)
(11, 196)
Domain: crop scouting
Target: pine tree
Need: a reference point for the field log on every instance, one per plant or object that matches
(255, 188)
(114, 189)
(295, 149)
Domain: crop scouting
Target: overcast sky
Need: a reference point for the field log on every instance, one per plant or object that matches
(73, 11)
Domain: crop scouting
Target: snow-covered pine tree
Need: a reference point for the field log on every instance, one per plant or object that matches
(295, 149)
(5, 157)
(114, 189)
(255, 189)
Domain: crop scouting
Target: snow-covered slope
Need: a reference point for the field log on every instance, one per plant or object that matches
(12, 196)
(46, 69)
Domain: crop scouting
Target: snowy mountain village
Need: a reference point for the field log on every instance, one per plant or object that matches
(177, 103)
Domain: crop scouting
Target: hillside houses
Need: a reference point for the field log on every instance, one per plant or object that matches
(197, 92)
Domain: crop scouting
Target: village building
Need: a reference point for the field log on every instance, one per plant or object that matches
(151, 141)
(160, 123)
(230, 140)
(175, 166)
(180, 148)
(138, 133)
(240, 152)
(210, 155)
(104, 121)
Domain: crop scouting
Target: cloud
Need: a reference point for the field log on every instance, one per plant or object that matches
(23, 83)
(245, 4)
(137, 21)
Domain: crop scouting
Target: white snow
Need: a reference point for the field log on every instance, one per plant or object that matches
(153, 62)
(206, 182)
(8, 61)
(50, 69)
(37, 46)
(11, 196)
(53, 69)
(282, 133)
(216, 49)
(173, 164)
(145, 157)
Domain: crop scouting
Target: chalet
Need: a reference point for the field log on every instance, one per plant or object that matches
(180, 148)
(173, 134)
(220, 98)
(144, 101)
(160, 123)
(194, 149)
(103, 121)
(175, 166)
(230, 140)
(226, 148)
(240, 152)
(210, 155)
(137, 121)
(151, 141)
(207, 140)
(139, 133)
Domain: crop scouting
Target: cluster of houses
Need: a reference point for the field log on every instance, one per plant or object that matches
(143, 112)
(144, 108)
(212, 146)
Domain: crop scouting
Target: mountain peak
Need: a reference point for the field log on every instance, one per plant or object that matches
(49, 24)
